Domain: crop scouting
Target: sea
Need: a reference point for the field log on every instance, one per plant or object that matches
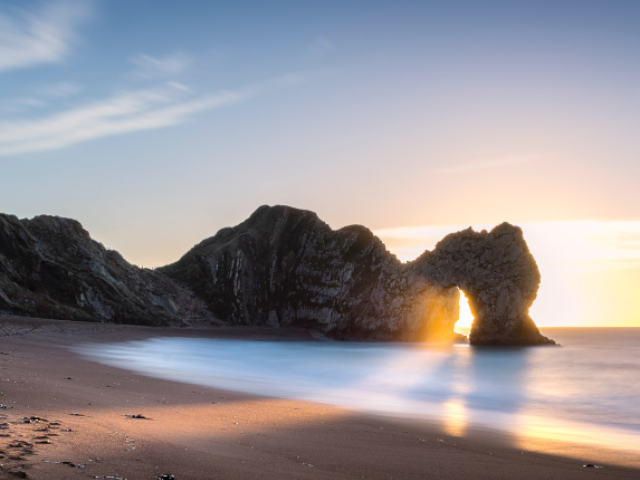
(585, 390)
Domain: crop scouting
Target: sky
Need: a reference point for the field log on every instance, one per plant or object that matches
(156, 123)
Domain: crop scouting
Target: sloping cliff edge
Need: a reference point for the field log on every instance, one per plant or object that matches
(280, 267)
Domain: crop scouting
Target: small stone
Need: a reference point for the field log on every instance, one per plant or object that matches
(137, 416)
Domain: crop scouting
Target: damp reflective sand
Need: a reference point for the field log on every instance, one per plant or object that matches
(585, 392)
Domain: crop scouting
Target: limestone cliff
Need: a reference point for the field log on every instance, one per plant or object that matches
(50, 267)
(284, 266)
(499, 276)
(280, 267)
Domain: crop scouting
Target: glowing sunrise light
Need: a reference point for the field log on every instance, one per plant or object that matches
(465, 318)
(590, 269)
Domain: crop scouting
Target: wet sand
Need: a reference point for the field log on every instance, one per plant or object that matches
(67, 417)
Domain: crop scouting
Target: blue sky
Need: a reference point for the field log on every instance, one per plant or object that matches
(156, 123)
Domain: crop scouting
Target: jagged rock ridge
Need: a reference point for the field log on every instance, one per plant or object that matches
(281, 267)
(284, 266)
(50, 267)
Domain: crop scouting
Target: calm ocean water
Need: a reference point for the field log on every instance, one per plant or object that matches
(587, 390)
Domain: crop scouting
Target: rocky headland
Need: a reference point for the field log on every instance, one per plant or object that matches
(280, 267)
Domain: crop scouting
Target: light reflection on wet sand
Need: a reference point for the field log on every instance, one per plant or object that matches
(528, 394)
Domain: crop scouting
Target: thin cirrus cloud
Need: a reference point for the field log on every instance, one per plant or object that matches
(125, 112)
(149, 66)
(40, 97)
(581, 244)
(30, 37)
(122, 113)
(60, 90)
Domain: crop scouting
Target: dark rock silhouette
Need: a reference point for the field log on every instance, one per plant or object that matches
(285, 267)
(499, 276)
(280, 267)
(50, 267)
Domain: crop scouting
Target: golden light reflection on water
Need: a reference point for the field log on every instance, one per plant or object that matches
(455, 414)
(577, 440)
(455, 417)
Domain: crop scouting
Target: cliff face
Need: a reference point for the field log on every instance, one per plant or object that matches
(50, 267)
(284, 266)
(280, 267)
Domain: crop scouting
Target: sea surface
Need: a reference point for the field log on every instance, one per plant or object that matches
(587, 390)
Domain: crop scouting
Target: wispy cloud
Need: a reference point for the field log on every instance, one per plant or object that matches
(42, 35)
(39, 97)
(179, 86)
(320, 47)
(60, 90)
(483, 164)
(593, 244)
(173, 103)
(149, 66)
(122, 113)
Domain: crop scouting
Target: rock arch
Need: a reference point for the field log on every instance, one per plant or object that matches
(499, 276)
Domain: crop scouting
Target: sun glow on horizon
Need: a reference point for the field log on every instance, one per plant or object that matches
(590, 269)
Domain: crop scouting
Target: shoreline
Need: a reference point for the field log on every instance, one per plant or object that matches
(197, 432)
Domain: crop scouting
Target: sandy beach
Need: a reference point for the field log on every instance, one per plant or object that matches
(67, 417)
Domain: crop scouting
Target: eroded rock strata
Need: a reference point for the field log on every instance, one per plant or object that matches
(280, 267)
(284, 266)
(50, 267)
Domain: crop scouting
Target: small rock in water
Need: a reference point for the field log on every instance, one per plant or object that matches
(166, 476)
(591, 465)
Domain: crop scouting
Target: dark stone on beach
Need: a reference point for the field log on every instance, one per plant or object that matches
(18, 473)
(138, 416)
(166, 476)
(33, 419)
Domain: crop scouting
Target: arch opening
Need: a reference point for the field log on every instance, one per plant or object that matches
(465, 315)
